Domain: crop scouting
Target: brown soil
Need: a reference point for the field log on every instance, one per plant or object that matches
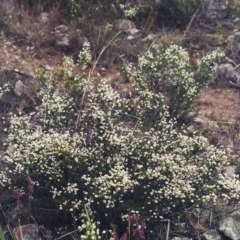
(220, 112)
(221, 105)
(23, 58)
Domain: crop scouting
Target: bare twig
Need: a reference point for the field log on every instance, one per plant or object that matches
(191, 21)
(168, 229)
(67, 234)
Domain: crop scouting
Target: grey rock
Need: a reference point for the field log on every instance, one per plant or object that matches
(151, 37)
(199, 121)
(214, 10)
(29, 232)
(62, 36)
(19, 88)
(230, 226)
(233, 45)
(61, 28)
(130, 37)
(125, 25)
(48, 68)
(226, 74)
(44, 17)
(236, 20)
(232, 40)
(132, 31)
(236, 215)
(63, 40)
(212, 235)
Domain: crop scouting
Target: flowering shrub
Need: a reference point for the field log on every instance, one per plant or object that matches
(129, 11)
(4, 89)
(121, 154)
(171, 74)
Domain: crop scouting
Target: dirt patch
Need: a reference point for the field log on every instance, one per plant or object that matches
(221, 105)
(220, 114)
(23, 58)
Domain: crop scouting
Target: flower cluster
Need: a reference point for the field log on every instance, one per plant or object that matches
(171, 74)
(206, 64)
(89, 227)
(84, 56)
(67, 67)
(56, 108)
(4, 89)
(129, 11)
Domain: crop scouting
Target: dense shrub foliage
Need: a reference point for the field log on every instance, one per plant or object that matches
(178, 12)
(174, 12)
(172, 75)
(87, 144)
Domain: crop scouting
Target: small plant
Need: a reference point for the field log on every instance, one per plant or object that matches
(171, 74)
(4, 89)
(89, 227)
(2, 235)
(129, 11)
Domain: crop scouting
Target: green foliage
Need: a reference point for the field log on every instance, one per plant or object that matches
(171, 74)
(89, 227)
(2, 237)
(111, 148)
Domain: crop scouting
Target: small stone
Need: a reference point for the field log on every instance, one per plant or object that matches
(236, 20)
(125, 25)
(48, 68)
(19, 88)
(132, 31)
(150, 37)
(212, 235)
(61, 28)
(62, 40)
(44, 17)
(199, 121)
(62, 37)
(130, 37)
(230, 227)
(226, 74)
